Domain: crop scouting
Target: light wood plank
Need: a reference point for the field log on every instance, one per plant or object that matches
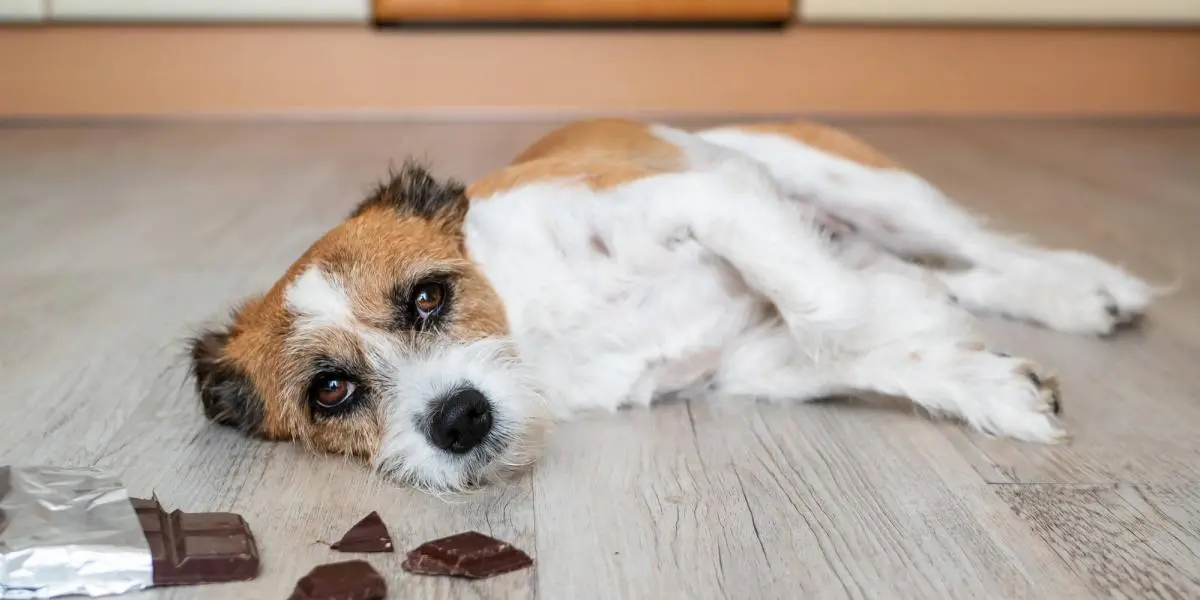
(630, 509)
(1125, 541)
(865, 501)
(118, 240)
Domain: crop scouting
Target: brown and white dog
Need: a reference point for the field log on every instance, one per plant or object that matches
(440, 329)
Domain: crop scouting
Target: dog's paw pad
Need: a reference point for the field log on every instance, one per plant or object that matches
(1023, 402)
(1110, 307)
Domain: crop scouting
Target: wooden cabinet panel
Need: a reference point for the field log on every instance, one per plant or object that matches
(583, 10)
(1080, 12)
(211, 10)
(22, 11)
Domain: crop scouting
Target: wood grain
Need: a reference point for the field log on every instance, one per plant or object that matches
(350, 71)
(117, 240)
(836, 485)
(632, 510)
(1125, 541)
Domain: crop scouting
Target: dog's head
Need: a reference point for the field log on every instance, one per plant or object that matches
(383, 341)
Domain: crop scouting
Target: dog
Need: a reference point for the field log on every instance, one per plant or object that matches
(440, 330)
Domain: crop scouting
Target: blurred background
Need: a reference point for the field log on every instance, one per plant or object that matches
(541, 57)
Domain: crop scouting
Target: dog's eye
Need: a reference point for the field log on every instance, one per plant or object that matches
(427, 298)
(332, 391)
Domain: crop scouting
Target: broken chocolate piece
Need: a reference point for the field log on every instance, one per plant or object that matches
(196, 548)
(368, 535)
(471, 554)
(350, 580)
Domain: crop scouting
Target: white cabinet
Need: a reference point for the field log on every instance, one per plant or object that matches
(984, 12)
(211, 10)
(22, 11)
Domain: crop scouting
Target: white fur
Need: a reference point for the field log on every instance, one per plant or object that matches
(906, 215)
(418, 378)
(318, 298)
(718, 278)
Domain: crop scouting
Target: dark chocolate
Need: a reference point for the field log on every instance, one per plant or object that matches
(471, 555)
(368, 535)
(196, 548)
(349, 580)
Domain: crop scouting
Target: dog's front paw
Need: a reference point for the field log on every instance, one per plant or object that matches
(1017, 399)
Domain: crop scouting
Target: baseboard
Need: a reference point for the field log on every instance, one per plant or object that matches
(159, 71)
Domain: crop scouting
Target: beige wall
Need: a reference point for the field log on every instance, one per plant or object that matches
(349, 70)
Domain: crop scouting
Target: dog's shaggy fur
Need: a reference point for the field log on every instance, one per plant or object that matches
(440, 329)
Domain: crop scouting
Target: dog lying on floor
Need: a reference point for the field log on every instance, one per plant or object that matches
(440, 329)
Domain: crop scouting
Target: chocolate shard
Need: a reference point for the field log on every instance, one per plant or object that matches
(471, 555)
(349, 580)
(196, 548)
(368, 535)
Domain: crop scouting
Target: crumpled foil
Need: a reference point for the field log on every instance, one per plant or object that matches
(69, 531)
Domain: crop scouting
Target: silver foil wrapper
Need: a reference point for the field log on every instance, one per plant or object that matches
(69, 532)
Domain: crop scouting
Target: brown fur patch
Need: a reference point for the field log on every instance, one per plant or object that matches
(606, 140)
(601, 153)
(597, 174)
(827, 139)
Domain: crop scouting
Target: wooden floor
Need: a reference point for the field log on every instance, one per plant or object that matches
(117, 240)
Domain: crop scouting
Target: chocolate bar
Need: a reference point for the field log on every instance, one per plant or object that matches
(368, 535)
(196, 548)
(350, 580)
(471, 555)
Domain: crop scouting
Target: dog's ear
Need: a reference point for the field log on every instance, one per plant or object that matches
(413, 191)
(226, 392)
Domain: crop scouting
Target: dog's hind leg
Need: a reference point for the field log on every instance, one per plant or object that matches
(840, 329)
(988, 272)
(915, 352)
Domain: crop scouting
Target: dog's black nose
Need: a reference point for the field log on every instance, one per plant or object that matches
(460, 421)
